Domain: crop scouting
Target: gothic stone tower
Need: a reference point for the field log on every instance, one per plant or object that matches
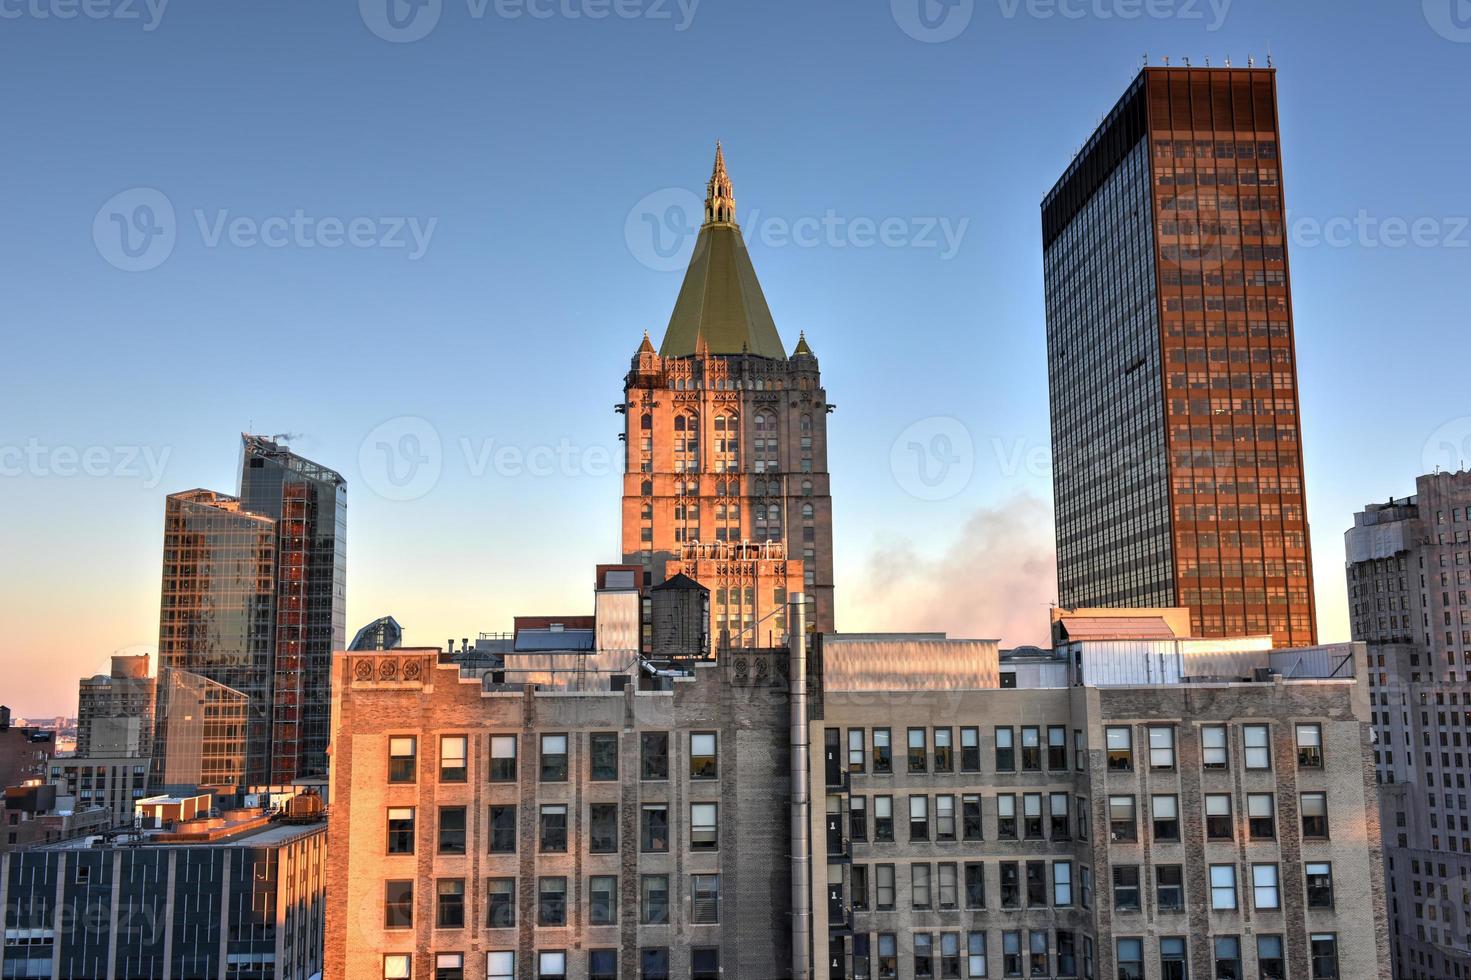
(725, 475)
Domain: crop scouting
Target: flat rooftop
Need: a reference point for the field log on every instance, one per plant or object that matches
(271, 835)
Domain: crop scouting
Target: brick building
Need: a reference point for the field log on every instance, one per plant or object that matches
(1409, 571)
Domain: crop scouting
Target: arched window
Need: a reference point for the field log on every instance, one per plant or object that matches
(720, 489)
(646, 421)
(679, 423)
(806, 488)
(773, 512)
(647, 512)
(734, 424)
(806, 512)
(773, 488)
(806, 424)
(646, 488)
(720, 423)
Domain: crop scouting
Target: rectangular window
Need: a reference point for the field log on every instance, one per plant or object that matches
(857, 761)
(858, 818)
(449, 966)
(553, 758)
(1032, 816)
(1161, 747)
(919, 885)
(1058, 817)
(1223, 886)
(1120, 743)
(1264, 886)
(398, 966)
(1310, 746)
(1126, 887)
(1036, 883)
(1039, 963)
(970, 750)
(1314, 808)
(975, 950)
(602, 897)
(449, 909)
(1122, 825)
(1011, 885)
(603, 753)
(398, 905)
(888, 956)
(949, 955)
(1005, 750)
(1323, 954)
(503, 758)
(1165, 817)
(1067, 954)
(1227, 951)
(975, 885)
(1131, 959)
(500, 903)
(1011, 954)
(602, 828)
(1218, 816)
(1062, 883)
(451, 830)
(705, 899)
(1080, 751)
(704, 827)
(1320, 885)
(944, 750)
(944, 818)
(551, 965)
(1213, 746)
(1255, 741)
(883, 818)
(500, 966)
(602, 964)
(653, 755)
(551, 901)
(703, 763)
(1006, 816)
(1271, 964)
(883, 892)
(1169, 887)
(919, 818)
(452, 752)
(924, 956)
(654, 963)
(948, 886)
(859, 898)
(1261, 820)
(1172, 958)
(1056, 748)
(883, 759)
(705, 963)
(1031, 748)
(970, 817)
(503, 829)
(654, 899)
(654, 827)
(401, 830)
(553, 828)
(402, 757)
(918, 751)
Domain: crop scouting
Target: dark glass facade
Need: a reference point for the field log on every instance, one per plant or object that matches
(216, 616)
(1177, 453)
(308, 502)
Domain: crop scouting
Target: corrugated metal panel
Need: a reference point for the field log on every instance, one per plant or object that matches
(1334, 661)
(1108, 663)
(908, 664)
(1117, 628)
(618, 621)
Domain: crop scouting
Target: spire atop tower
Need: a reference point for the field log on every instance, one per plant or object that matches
(719, 197)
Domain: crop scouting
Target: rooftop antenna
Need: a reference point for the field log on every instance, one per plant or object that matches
(1146, 59)
(1269, 56)
(1167, 61)
(1228, 61)
(1251, 61)
(1186, 60)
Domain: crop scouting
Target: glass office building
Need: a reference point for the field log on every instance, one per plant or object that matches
(1172, 373)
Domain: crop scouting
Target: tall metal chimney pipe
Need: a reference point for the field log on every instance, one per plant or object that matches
(801, 803)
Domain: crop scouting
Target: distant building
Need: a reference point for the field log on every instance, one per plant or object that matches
(726, 441)
(114, 783)
(1409, 572)
(1176, 444)
(239, 897)
(115, 710)
(383, 633)
(202, 729)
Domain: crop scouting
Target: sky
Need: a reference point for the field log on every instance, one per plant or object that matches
(434, 234)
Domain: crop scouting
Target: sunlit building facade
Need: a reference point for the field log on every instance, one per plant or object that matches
(1177, 457)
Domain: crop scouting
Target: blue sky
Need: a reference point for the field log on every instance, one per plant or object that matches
(374, 238)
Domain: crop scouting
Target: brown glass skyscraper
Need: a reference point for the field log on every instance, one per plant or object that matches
(1176, 446)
